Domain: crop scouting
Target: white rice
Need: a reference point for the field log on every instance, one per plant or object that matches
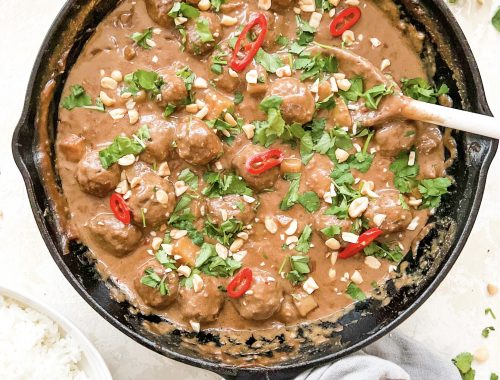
(32, 346)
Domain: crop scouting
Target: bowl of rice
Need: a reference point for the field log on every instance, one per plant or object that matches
(36, 342)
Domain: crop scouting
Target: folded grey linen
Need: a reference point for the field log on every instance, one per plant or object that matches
(394, 357)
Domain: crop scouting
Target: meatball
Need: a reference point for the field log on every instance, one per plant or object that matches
(152, 296)
(233, 206)
(317, 176)
(388, 203)
(160, 146)
(197, 144)
(263, 298)
(112, 235)
(395, 137)
(93, 178)
(217, 103)
(72, 147)
(203, 306)
(259, 182)
(428, 139)
(322, 221)
(287, 312)
(173, 91)
(199, 44)
(225, 81)
(278, 5)
(275, 24)
(298, 103)
(152, 199)
(158, 11)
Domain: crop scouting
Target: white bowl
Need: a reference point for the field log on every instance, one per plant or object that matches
(92, 362)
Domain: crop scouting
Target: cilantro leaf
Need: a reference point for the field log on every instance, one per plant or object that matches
(355, 292)
(189, 178)
(299, 268)
(494, 376)
(153, 280)
(374, 95)
(149, 81)
(292, 195)
(463, 362)
(432, 190)
(490, 312)
(404, 175)
(310, 201)
(183, 219)
(304, 243)
(495, 20)
(122, 146)
(270, 62)
(216, 4)
(383, 251)
(211, 264)
(78, 98)
(226, 232)
(420, 89)
(315, 67)
(331, 231)
(219, 184)
(141, 39)
(305, 32)
(183, 9)
(203, 29)
(486, 331)
(273, 101)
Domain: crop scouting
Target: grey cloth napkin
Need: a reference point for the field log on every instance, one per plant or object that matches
(394, 357)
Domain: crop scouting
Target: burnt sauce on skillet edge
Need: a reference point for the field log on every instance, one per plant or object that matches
(112, 40)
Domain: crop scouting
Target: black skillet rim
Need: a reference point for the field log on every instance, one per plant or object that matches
(480, 105)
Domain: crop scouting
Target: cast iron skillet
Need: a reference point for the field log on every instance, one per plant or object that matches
(367, 321)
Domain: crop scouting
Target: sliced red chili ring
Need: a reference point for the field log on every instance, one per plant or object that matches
(363, 241)
(120, 208)
(345, 20)
(240, 283)
(239, 64)
(261, 162)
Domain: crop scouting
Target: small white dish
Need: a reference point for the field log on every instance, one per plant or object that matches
(92, 362)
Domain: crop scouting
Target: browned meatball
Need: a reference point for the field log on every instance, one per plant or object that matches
(395, 137)
(388, 203)
(158, 11)
(93, 178)
(317, 175)
(197, 144)
(173, 91)
(225, 81)
(429, 138)
(287, 312)
(298, 103)
(201, 44)
(152, 199)
(275, 25)
(233, 206)
(263, 298)
(72, 147)
(152, 296)
(278, 5)
(160, 146)
(205, 305)
(259, 182)
(322, 221)
(112, 235)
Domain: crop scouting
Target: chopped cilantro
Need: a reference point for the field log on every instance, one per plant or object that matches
(331, 231)
(78, 98)
(463, 362)
(420, 89)
(154, 281)
(304, 243)
(183, 219)
(404, 175)
(292, 195)
(310, 201)
(270, 62)
(432, 190)
(141, 39)
(238, 98)
(166, 260)
(203, 29)
(266, 132)
(372, 96)
(226, 232)
(216, 4)
(211, 264)
(490, 312)
(495, 20)
(282, 40)
(299, 268)
(383, 251)
(486, 331)
(169, 110)
(355, 292)
(305, 32)
(149, 81)
(315, 67)
(189, 178)
(326, 104)
(494, 376)
(219, 184)
(183, 9)
(122, 146)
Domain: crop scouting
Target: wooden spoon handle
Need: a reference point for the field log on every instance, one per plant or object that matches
(452, 118)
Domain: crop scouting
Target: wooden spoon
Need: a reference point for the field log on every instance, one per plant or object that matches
(399, 106)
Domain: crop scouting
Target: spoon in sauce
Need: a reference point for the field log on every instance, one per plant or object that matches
(399, 106)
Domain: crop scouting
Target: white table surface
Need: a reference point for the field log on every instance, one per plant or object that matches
(449, 322)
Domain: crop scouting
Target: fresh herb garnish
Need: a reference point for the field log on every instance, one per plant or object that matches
(432, 190)
(315, 67)
(122, 146)
(203, 29)
(211, 264)
(183, 10)
(292, 195)
(495, 20)
(78, 98)
(304, 243)
(145, 80)
(169, 110)
(219, 184)
(486, 331)
(463, 362)
(141, 39)
(154, 281)
(331, 231)
(420, 89)
(490, 312)
(299, 268)
(216, 4)
(188, 76)
(305, 32)
(404, 175)
(282, 40)
(310, 201)
(226, 232)
(238, 98)
(166, 260)
(355, 292)
(218, 62)
(372, 96)
(385, 252)
(183, 219)
(270, 62)
(189, 178)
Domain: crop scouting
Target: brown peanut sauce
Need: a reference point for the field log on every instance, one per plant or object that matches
(104, 53)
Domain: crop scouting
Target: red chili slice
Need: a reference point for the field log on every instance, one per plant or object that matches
(239, 64)
(120, 208)
(261, 162)
(240, 283)
(364, 240)
(345, 20)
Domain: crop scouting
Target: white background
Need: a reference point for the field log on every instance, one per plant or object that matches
(450, 322)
